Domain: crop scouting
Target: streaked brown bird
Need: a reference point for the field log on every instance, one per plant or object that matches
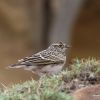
(50, 61)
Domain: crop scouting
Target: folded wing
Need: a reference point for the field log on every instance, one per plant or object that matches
(36, 60)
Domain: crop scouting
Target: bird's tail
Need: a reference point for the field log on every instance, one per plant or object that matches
(17, 65)
(25, 66)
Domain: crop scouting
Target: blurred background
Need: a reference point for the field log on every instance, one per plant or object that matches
(28, 26)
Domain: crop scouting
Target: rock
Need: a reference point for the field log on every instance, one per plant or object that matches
(88, 93)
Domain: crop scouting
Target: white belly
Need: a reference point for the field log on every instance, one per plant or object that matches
(52, 69)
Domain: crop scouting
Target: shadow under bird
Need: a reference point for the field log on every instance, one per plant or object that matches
(49, 61)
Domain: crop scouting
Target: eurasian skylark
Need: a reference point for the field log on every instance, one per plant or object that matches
(50, 61)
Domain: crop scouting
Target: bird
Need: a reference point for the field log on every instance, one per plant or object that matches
(49, 61)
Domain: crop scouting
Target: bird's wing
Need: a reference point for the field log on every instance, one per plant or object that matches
(38, 59)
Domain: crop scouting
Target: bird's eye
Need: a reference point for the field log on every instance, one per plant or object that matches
(61, 46)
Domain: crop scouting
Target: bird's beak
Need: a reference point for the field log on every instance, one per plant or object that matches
(68, 46)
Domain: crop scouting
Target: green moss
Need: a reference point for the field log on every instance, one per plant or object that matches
(44, 89)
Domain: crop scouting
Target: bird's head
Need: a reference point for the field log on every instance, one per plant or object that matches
(60, 47)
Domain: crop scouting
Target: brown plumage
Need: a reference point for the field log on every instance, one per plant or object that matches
(49, 61)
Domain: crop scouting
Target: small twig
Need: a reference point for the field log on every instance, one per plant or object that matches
(3, 85)
(39, 85)
(29, 90)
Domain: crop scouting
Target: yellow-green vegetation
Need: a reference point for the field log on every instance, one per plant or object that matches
(46, 88)
(82, 72)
